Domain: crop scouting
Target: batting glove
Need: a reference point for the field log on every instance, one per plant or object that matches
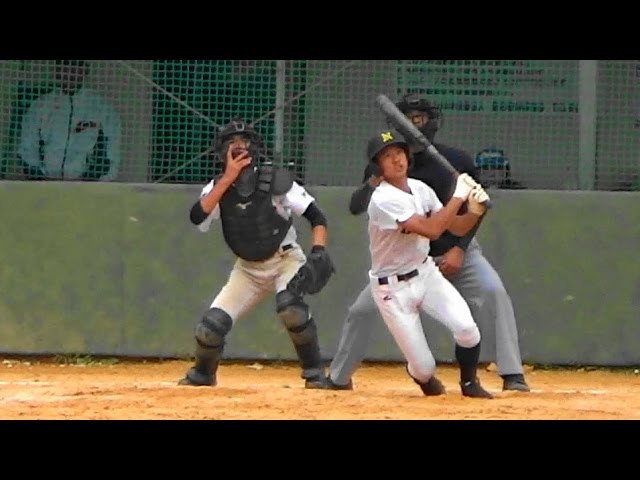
(477, 200)
(464, 185)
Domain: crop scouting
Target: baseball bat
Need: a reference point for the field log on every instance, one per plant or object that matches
(409, 130)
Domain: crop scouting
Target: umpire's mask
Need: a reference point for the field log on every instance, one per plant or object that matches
(414, 103)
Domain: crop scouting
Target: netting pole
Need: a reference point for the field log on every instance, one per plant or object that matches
(587, 74)
(279, 113)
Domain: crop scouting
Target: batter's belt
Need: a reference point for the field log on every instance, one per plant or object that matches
(403, 277)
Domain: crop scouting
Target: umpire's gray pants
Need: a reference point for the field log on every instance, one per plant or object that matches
(481, 287)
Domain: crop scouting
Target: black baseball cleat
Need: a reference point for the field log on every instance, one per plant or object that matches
(195, 378)
(515, 382)
(433, 387)
(474, 390)
(319, 382)
(335, 386)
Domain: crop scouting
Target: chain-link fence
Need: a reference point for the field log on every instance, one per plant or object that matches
(154, 120)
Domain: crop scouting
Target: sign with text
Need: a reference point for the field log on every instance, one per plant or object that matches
(503, 86)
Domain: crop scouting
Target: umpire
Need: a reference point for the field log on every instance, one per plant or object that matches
(460, 259)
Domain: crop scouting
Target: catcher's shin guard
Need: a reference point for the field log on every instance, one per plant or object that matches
(304, 335)
(210, 334)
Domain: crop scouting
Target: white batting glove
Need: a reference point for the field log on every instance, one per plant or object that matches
(477, 199)
(471, 181)
(464, 185)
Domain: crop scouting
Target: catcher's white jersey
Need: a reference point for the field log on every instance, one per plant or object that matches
(392, 251)
(295, 201)
(249, 281)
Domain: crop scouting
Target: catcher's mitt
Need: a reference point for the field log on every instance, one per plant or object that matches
(314, 275)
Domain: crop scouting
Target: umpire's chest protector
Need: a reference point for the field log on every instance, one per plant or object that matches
(251, 226)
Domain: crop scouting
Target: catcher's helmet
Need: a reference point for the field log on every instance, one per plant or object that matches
(414, 102)
(238, 127)
(247, 180)
(383, 139)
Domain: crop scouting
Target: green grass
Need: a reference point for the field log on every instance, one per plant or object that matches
(92, 360)
(75, 359)
(588, 368)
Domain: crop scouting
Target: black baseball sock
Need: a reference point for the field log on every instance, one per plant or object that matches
(468, 360)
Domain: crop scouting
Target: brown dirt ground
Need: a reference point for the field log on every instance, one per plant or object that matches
(125, 389)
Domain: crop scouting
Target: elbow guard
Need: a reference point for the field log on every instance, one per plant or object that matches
(315, 216)
(197, 214)
(360, 199)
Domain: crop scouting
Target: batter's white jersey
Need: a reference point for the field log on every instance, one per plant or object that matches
(295, 201)
(405, 280)
(392, 251)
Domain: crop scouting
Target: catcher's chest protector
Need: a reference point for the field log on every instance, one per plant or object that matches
(251, 226)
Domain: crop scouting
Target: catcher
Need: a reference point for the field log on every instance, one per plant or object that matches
(255, 204)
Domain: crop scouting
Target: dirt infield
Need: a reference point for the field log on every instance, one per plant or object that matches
(253, 391)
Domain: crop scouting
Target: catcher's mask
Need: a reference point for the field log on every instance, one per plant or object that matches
(382, 140)
(414, 102)
(248, 178)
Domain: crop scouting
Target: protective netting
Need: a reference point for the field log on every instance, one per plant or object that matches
(154, 120)
(618, 127)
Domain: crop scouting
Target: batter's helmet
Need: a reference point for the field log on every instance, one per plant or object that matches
(382, 140)
(414, 102)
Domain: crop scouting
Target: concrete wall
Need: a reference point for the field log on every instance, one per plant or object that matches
(116, 269)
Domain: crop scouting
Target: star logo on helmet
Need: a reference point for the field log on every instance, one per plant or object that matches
(386, 137)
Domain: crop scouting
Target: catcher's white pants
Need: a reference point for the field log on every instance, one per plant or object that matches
(250, 282)
(399, 303)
